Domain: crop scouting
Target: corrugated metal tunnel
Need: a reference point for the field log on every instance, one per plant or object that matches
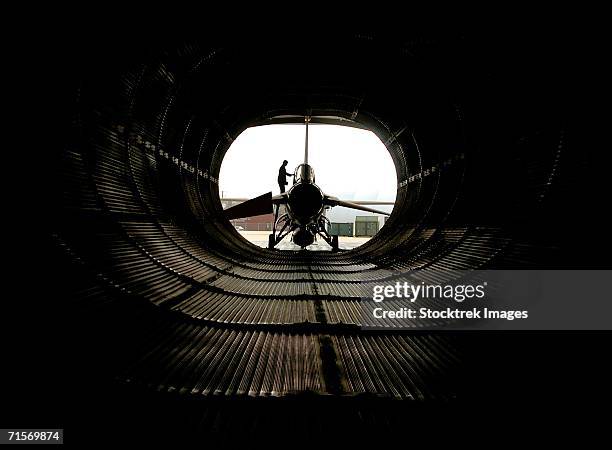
(176, 302)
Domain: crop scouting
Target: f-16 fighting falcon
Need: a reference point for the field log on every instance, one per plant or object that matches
(304, 212)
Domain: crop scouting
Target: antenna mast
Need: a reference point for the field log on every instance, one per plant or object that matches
(306, 119)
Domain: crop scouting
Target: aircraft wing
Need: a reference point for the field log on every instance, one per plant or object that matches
(334, 201)
(371, 202)
(280, 199)
(256, 206)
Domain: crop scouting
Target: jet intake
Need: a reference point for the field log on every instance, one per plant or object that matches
(305, 201)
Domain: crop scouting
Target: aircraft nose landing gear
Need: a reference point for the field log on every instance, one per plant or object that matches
(332, 240)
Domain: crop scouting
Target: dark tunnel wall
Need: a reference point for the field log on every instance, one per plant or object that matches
(161, 296)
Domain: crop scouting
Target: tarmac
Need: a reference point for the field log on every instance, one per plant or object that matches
(260, 238)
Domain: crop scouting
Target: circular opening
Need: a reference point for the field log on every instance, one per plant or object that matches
(351, 164)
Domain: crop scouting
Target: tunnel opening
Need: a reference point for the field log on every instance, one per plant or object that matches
(350, 162)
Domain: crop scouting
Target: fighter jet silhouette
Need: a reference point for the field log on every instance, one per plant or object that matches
(305, 207)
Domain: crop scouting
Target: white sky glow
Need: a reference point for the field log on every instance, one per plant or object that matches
(349, 163)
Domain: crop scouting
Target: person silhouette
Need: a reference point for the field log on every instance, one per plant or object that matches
(282, 176)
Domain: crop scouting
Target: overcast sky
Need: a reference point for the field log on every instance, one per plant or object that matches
(349, 163)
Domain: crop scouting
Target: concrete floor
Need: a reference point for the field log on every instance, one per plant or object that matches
(260, 238)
